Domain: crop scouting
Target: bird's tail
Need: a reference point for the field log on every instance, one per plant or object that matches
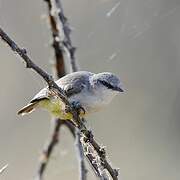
(28, 108)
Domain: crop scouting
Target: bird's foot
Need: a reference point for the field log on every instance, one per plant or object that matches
(77, 106)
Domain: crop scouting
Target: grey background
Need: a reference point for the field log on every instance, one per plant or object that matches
(140, 42)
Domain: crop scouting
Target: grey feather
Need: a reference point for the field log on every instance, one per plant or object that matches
(74, 83)
(43, 94)
(28, 108)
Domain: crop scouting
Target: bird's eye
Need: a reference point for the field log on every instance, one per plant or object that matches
(108, 85)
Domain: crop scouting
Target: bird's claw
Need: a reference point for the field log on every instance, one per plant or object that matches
(77, 106)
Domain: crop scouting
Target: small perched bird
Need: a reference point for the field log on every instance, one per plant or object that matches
(85, 89)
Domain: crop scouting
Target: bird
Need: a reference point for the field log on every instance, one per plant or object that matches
(83, 89)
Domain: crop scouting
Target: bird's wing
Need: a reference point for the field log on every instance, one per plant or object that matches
(74, 83)
(43, 94)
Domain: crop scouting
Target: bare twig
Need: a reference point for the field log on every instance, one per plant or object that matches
(64, 25)
(61, 31)
(49, 148)
(30, 64)
(60, 64)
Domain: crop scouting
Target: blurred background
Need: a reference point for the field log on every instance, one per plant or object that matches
(139, 40)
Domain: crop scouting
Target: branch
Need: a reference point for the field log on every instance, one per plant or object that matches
(30, 64)
(87, 138)
(58, 50)
(59, 38)
(62, 41)
(97, 154)
(49, 148)
(62, 33)
(82, 169)
(64, 25)
(52, 85)
(56, 123)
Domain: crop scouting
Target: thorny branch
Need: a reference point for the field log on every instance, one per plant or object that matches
(91, 147)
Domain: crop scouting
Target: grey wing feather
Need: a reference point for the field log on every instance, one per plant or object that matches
(74, 83)
(43, 94)
(34, 102)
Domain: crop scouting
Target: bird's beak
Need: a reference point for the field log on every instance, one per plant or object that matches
(118, 89)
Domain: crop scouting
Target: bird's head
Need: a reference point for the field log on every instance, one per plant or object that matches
(106, 85)
(108, 81)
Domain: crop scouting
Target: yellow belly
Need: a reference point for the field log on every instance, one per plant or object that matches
(57, 108)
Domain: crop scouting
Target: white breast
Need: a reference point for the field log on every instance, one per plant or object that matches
(94, 101)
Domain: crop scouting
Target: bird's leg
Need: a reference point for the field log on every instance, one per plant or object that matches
(77, 106)
(83, 120)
